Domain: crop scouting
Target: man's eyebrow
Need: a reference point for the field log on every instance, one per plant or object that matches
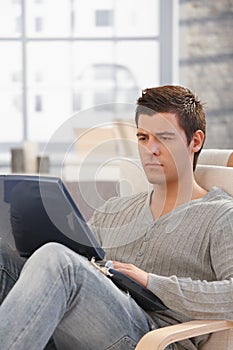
(141, 133)
(167, 133)
(162, 133)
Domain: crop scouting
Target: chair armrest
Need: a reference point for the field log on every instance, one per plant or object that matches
(162, 337)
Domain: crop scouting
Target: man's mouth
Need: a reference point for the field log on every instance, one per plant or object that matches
(153, 164)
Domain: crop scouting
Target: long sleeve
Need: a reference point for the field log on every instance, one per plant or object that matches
(195, 299)
(204, 299)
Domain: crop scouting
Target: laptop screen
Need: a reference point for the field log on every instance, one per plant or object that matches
(42, 210)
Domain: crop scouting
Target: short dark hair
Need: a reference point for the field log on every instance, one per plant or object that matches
(178, 100)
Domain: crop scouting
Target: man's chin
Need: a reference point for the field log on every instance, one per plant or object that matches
(156, 178)
(156, 181)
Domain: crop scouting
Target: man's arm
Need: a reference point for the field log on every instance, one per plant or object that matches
(196, 298)
(200, 298)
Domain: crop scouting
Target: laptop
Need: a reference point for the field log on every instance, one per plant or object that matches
(42, 210)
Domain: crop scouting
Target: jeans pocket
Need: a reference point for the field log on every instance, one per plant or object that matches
(125, 343)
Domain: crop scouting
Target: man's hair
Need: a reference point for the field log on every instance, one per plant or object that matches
(178, 100)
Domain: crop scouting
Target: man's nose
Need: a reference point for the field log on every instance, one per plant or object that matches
(153, 147)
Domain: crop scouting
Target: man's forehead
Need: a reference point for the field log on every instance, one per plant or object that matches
(158, 122)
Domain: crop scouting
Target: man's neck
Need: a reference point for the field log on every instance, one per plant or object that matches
(166, 198)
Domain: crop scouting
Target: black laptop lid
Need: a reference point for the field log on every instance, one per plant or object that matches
(42, 210)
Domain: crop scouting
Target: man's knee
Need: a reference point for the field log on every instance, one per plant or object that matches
(54, 262)
(53, 256)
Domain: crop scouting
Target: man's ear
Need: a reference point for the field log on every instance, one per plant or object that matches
(197, 140)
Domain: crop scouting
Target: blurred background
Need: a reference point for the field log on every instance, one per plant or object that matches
(75, 64)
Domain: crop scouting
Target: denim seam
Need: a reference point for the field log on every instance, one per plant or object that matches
(131, 318)
(9, 273)
(126, 339)
(65, 283)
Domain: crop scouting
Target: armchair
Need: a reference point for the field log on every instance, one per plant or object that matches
(208, 174)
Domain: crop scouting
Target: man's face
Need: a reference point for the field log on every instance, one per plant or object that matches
(163, 148)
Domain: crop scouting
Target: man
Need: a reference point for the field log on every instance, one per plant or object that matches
(177, 241)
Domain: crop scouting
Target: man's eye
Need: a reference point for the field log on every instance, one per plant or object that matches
(141, 138)
(165, 138)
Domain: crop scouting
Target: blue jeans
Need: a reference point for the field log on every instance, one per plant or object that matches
(60, 293)
(11, 265)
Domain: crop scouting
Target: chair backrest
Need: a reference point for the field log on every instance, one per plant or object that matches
(222, 157)
(133, 179)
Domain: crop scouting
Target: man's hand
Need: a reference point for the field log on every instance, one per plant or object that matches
(132, 271)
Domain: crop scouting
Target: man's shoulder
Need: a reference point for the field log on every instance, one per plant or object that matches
(219, 204)
(219, 196)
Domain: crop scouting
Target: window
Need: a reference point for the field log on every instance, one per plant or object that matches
(18, 24)
(103, 18)
(60, 57)
(38, 24)
(38, 103)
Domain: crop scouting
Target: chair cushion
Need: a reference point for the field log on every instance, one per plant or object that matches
(208, 176)
(223, 157)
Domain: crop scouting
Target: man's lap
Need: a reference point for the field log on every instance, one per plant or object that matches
(98, 313)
